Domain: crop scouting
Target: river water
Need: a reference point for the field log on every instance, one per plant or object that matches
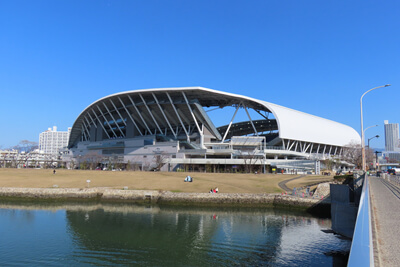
(94, 234)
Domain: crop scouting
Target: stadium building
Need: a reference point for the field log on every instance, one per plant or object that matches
(200, 129)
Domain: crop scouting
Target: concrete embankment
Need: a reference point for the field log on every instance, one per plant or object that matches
(163, 197)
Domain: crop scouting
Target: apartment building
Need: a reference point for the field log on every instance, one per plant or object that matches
(53, 141)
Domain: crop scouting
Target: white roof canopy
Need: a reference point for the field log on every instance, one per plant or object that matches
(292, 124)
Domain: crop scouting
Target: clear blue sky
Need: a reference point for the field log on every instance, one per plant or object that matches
(319, 57)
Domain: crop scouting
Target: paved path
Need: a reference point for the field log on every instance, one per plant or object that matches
(283, 183)
(385, 200)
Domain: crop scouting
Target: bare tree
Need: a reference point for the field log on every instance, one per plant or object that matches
(133, 166)
(328, 163)
(92, 160)
(114, 162)
(250, 159)
(72, 164)
(14, 161)
(391, 160)
(160, 159)
(26, 146)
(352, 154)
(369, 158)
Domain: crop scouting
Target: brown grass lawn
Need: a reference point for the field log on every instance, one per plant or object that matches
(167, 181)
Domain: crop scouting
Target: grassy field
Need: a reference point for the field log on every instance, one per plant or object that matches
(167, 181)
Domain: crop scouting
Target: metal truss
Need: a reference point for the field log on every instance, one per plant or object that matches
(309, 148)
(180, 115)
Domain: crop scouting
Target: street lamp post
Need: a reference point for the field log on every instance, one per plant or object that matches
(376, 136)
(369, 127)
(364, 157)
(369, 139)
(362, 126)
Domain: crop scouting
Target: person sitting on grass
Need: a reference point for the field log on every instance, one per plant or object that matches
(214, 190)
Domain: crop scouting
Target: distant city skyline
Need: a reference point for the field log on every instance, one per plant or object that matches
(318, 57)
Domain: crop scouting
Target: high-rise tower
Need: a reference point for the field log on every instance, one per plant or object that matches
(52, 141)
(391, 136)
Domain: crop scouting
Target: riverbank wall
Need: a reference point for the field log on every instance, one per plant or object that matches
(167, 197)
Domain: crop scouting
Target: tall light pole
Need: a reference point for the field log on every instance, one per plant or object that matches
(370, 127)
(369, 139)
(364, 157)
(362, 126)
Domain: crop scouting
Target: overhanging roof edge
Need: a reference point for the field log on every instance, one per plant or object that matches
(292, 124)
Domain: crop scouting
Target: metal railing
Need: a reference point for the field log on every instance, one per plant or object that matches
(394, 179)
(361, 253)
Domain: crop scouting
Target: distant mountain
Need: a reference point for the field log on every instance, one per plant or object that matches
(378, 149)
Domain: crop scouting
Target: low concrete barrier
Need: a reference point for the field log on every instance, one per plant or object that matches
(160, 197)
(50, 193)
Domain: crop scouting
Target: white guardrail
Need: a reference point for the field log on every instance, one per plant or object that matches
(361, 252)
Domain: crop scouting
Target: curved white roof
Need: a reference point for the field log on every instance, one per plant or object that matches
(292, 124)
(301, 126)
(297, 125)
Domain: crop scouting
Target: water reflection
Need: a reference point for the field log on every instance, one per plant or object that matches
(123, 234)
(167, 236)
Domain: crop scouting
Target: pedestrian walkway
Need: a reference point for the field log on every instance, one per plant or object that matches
(385, 203)
(283, 183)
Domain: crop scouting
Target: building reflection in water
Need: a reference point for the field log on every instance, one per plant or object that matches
(126, 234)
(171, 235)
